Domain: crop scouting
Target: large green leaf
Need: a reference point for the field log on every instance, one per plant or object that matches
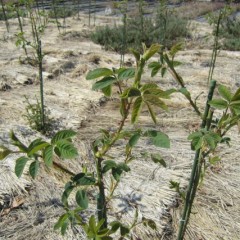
(137, 107)
(154, 100)
(107, 91)
(4, 152)
(218, 104)
(124, 167)
(134, 139)
(124, 230)
(36, 146)
(158, 138)
(235, 106)
(100, 72)
(20, 164)
(82, 179)
(103, 83)
(109, 164)
(33, 168)
(185, 92)
(236, 95)
(116, 172)
(48, 155)
(131, 92)
(154, 48)
(126, 73)
(66, 194)
(225, 92)
(66, 149)
(82, 199)
(63, 135)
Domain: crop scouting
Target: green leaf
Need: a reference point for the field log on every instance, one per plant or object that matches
(152, 114)
(131, 92)
(210, 141)
(92, 224)
(4, 152)
(236, 95)
(149, 86)
(124, 230)
(66, 149)
(115, 225)
(134, 139)
(214, 160)
(154, 65)
(64, 227)
(225, 92)
(185, 92)
(218, 104)
(159, 139)
(60, 221)
(154, 100)
(175, 48)
(82, 179)
(193, 135)
(109, 164)
(82, 199)
(116, 172)
(137, 107)
(17, 142)
(63, 135)
(33, 168)
(36, 146)
(197, 143)
(103, 83)
(124, 167)
(155, 70)
(158, 159)
(154, 48)
(20, 164)
(163, 71)
(48, 155)
(107, 91)
(66, 194)
(235, 106)
(135, 53)
(100, 72)
(126, 73)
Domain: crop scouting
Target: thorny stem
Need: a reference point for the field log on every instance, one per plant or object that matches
(101, 200)
(195, 174)
(215, 49)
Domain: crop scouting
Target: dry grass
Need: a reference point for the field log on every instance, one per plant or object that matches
(193, 10)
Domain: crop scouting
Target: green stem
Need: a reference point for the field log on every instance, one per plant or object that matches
(40, 58)
(101, 200)
(215, 49)
(195, 174)
(5, 16)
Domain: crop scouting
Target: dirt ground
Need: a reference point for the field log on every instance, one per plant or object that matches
(74, 105)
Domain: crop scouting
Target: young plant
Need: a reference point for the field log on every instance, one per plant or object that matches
(38, 21)
(5, 15)
(205, 141)
(133, 96)
(216, 21)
